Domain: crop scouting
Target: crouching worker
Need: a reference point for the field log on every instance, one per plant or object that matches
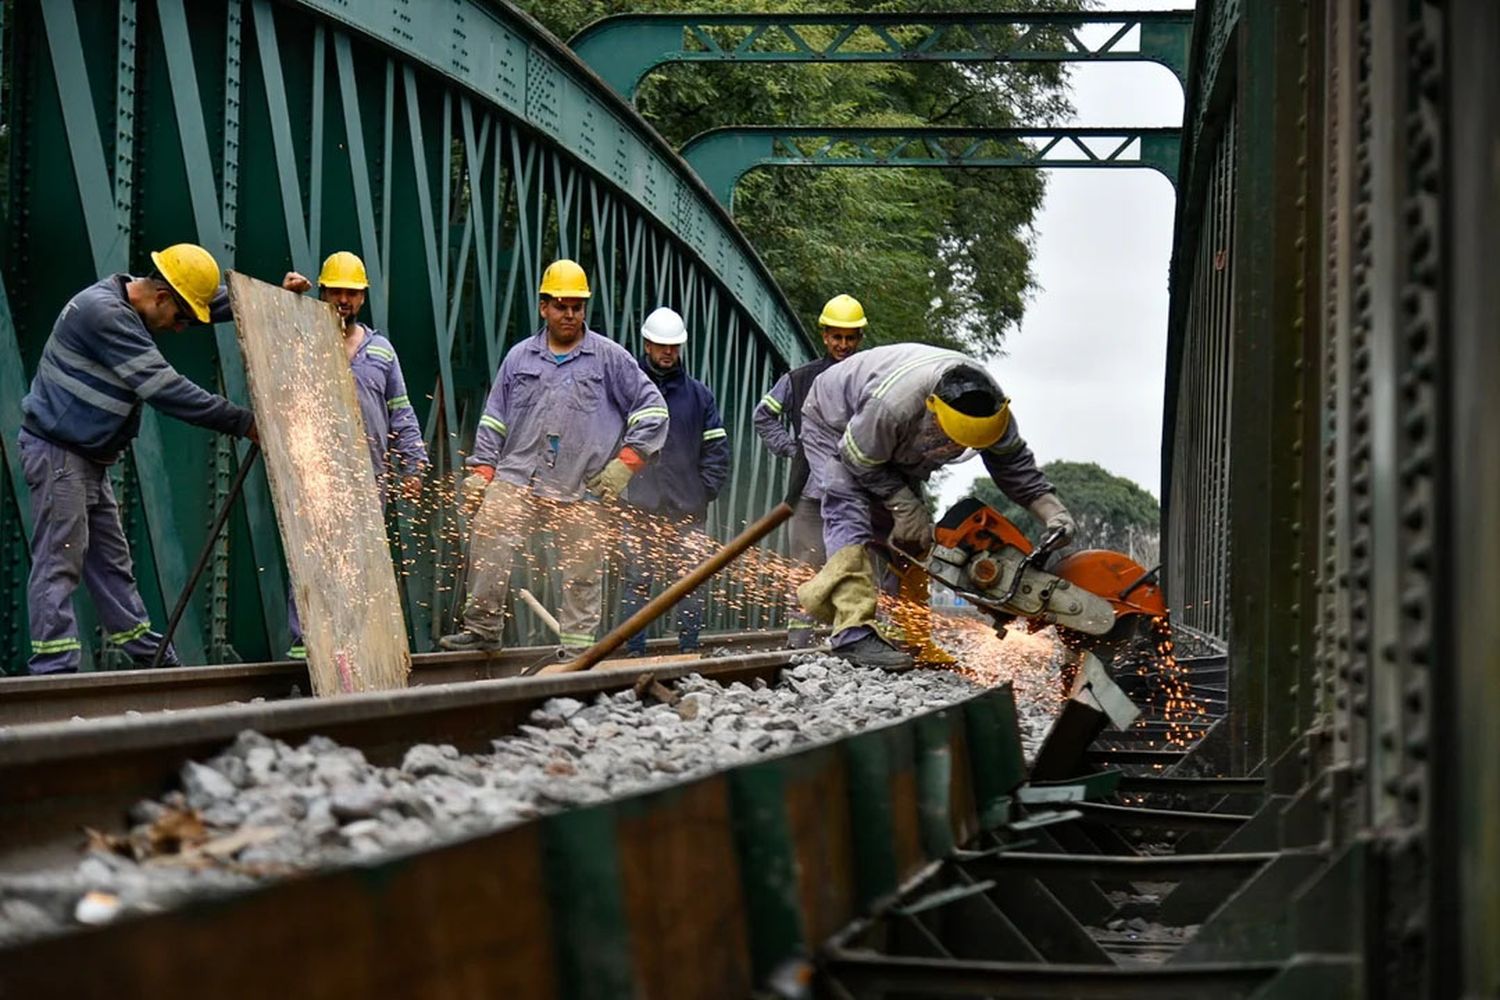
(98, 367)
(874, 428)
(570, 418)
(673, 493)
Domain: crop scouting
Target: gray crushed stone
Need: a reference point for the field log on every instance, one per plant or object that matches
(323, 804)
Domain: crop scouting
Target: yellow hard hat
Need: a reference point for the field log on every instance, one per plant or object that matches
(969, 407)
(343, 270)
(844, 311)
(193, 274)
(564, 279)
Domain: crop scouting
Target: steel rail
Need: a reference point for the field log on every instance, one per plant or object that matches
(57, 777)
(33, 700)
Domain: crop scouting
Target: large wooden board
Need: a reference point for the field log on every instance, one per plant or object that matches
(323, 487)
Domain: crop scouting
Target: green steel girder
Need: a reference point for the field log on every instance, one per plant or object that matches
(625, 47)
(457, 153)
(723, 155)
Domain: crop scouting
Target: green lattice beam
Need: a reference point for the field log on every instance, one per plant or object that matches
(723, 155)
(624, 48)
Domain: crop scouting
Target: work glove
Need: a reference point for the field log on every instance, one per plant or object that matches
(474, 485)
(611, 481)
(1049, 510)
(912, 528)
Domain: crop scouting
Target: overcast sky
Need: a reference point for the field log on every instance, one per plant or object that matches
(1084, 372)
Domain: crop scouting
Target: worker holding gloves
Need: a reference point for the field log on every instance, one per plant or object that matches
(571, 418)
(874, 428)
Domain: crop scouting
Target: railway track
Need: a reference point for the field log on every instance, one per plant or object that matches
(912, 857)
(31, 700)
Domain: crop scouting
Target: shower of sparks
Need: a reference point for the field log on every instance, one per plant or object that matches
(750, 590)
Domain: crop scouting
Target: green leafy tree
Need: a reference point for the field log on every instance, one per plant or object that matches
(942, 256)
(1112, 512)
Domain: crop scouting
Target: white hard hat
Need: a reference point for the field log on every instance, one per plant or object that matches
(664, 326)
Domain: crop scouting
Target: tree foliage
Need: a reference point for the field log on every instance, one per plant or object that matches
(1112, 512)
(942, 256)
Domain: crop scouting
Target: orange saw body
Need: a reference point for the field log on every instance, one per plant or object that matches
(986, 560)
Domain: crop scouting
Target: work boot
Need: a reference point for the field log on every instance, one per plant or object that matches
(872, 651)
(469, 642)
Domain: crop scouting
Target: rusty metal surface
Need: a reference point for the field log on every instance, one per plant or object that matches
(58, 776)
(31, 700)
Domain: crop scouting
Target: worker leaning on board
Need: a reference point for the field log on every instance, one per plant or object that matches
(570, 418)
(99, 365)
(391, 429)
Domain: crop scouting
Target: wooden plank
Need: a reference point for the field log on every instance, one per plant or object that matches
(323, 486)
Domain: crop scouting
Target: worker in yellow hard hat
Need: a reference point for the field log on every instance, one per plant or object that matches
(570, 418)
(874, 428)
(395, 437)
(778, 421)
(99, 366)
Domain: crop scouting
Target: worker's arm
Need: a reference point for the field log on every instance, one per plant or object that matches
(489, 438)
(124, 346)
(406, 433)
(1012, 466)
(636, 396)
(867, 445)
(770, 419)
(713, 454)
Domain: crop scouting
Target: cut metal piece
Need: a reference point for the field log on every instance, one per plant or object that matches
(1094, 686)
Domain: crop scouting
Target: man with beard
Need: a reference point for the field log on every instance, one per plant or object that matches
(778, 421)
(874, 428)
(673, 492)
(391, 429)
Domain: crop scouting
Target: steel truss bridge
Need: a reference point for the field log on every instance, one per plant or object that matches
(1330, 475)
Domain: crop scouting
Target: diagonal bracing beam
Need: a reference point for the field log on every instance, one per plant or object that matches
(624, 48)
(722, 156)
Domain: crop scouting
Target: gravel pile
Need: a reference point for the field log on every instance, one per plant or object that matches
(263, 809)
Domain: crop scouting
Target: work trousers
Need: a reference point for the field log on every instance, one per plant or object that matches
(507, 520)
(664, 547)
(805, 535)
(76, 535)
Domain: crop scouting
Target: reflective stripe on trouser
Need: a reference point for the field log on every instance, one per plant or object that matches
(76, 535)
(805, 537)
(506, 521)
(663, 547)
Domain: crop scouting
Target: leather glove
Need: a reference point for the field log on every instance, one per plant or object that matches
(1049, 510)
(912, 530)
(611, 481)
(411, 487)
(474, 485)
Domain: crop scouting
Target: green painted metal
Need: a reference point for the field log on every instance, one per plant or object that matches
(935, 783)
(590, 933)
(457, 153)
(768, 865)
(721, 156)
(870, 761)
(997, 757)
(623, 48)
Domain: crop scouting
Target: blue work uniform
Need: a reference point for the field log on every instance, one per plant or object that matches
(391, 430)
(676, 489)
(550, 424)
(99, 365)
